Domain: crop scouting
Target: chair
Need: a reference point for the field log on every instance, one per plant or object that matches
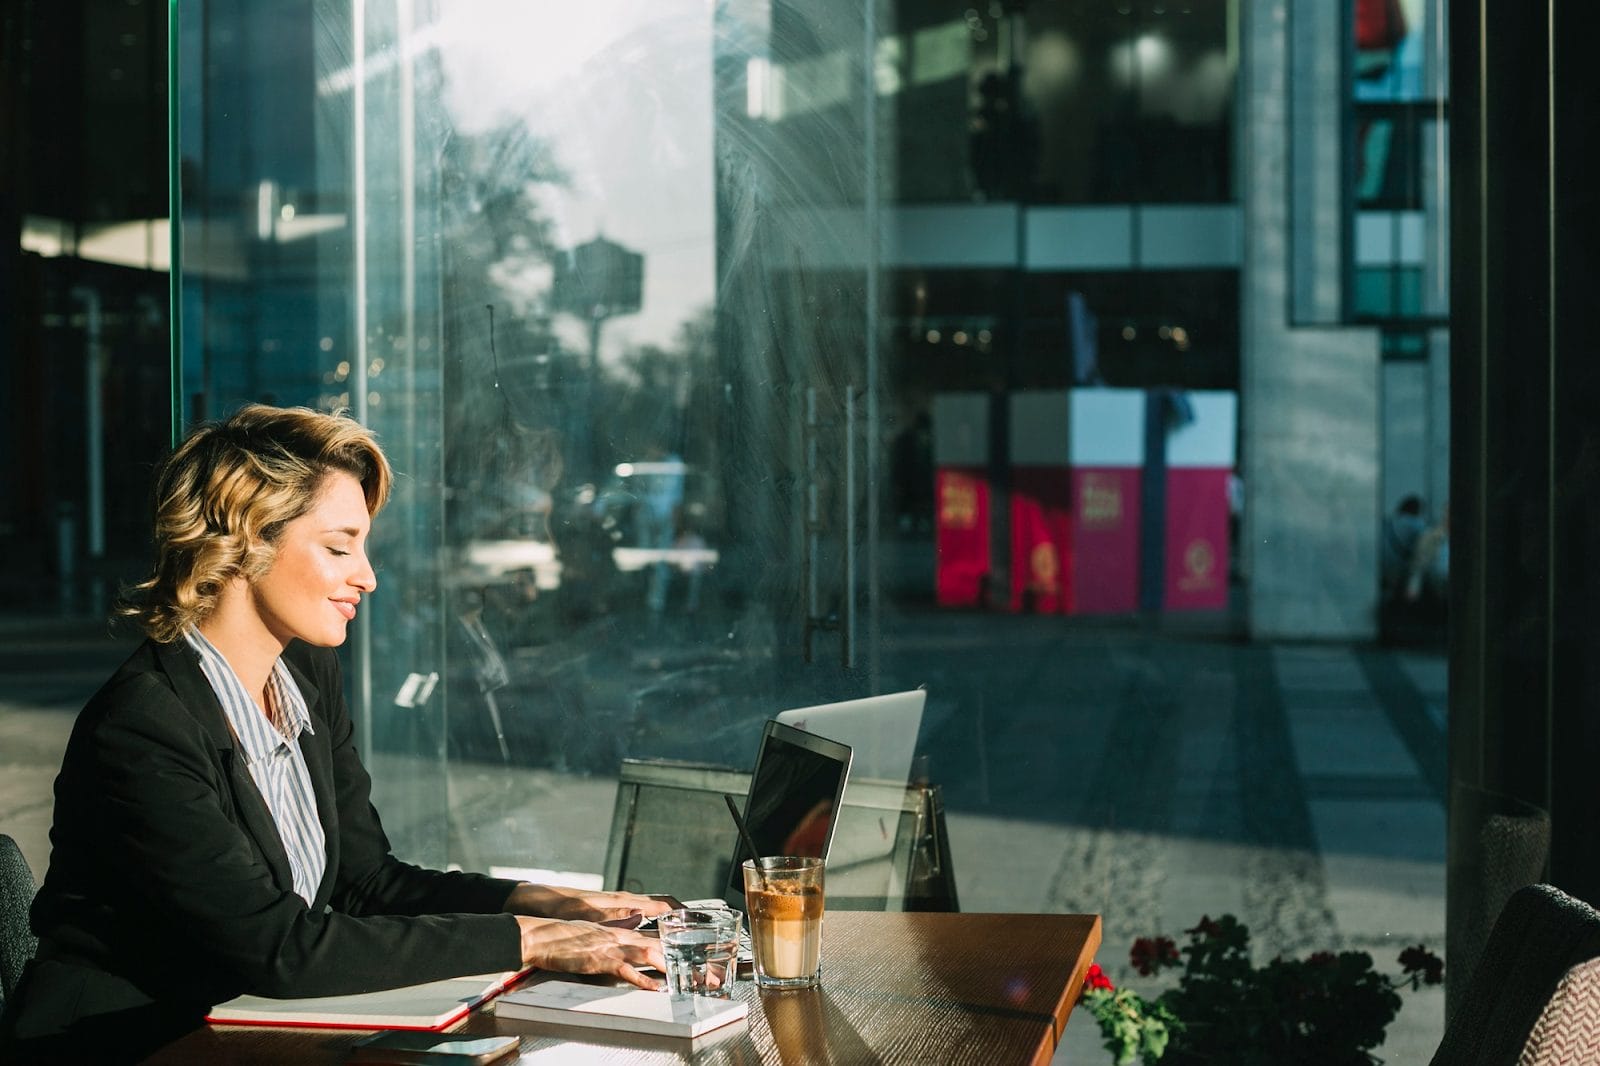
(17, 942)
(670, 831)
(1498, 844)
(1568, 1029)
(1534, 997)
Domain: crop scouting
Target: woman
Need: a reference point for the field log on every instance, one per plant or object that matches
(213, 833)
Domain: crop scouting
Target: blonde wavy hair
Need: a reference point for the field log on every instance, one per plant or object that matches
(223, 497)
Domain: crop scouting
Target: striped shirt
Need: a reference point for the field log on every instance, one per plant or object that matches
(276, 763)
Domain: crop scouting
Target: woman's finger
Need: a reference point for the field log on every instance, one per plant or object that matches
(652, 955)
(634, 977)
(641, 951)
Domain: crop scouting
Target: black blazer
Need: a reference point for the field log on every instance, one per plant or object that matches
(169, 890)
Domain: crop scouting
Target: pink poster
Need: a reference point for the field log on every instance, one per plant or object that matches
(1197, 539)
(1041, 538)
(961, 535)
(1105, 540)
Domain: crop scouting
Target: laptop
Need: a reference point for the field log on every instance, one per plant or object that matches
(868, 859)
(881, 731)
(795, 794)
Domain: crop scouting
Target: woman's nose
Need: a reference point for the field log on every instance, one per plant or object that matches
(365, 579)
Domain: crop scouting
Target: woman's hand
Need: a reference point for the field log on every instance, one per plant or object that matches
(584, 947)
(580, 905)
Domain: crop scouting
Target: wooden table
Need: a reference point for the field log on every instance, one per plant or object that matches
(896, 987)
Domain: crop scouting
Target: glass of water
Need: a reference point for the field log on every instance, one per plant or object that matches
(702, 950)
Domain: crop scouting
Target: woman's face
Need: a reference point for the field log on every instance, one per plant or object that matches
(321, 568)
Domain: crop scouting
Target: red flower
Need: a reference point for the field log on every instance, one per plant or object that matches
(1096, 979)
(1420, 960)
(1149, 954)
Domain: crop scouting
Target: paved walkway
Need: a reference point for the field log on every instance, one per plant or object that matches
(1148, 776)
(1299, 787)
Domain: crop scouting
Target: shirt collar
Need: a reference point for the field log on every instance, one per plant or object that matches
(256, 734)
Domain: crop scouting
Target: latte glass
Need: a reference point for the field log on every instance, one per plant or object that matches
(784, 896)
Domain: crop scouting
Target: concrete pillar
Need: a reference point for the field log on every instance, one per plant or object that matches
(1310, 440)
(1405, 434)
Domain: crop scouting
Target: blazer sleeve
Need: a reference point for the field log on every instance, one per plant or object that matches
(369, 879)
(184, 861)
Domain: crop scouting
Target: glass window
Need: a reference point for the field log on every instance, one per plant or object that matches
(741, 357)
(1076, 102)
(1398, 202)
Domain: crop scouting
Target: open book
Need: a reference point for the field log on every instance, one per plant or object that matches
(434, 1005)
(577, 1002)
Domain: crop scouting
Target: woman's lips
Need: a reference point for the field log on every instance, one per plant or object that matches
(346, 609)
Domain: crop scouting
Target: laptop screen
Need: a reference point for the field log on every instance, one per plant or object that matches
(794, 797)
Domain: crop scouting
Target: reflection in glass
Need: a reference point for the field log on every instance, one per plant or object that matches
(680, 319)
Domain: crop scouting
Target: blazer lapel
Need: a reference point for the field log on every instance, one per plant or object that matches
(183, 667)
(317, 747)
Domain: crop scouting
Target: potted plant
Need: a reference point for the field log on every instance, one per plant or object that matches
(1328, 1009)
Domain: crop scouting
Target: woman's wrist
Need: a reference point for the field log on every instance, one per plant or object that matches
(528, 938)
(532, 900)
(579, 905)
(539, 901)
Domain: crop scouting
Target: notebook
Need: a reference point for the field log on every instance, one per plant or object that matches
(576, 1001)
(795, 793)
(432, 1006)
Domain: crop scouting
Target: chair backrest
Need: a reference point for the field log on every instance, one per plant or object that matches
(1540, 936)
(1568, 1030)
(17, 943)
(670, 832)
(1498, 844)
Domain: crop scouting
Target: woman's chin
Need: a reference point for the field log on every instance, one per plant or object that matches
(331, 637)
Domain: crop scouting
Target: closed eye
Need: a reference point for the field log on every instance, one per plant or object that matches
(336, 551)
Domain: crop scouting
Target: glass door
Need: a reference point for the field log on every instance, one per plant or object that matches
(602, 281)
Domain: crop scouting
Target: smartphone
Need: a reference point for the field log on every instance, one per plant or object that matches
(406, 1048)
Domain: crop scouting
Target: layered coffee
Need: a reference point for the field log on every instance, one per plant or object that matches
(785, 897)
(786, 930)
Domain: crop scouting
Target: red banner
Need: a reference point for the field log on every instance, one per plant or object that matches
(1041, 538)
(1105, 540)
(961, 535)
(1197, 539)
